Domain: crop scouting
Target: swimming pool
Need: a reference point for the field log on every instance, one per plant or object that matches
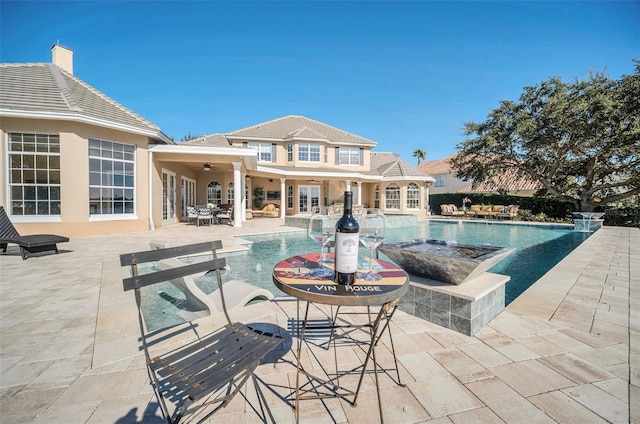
(537, 249)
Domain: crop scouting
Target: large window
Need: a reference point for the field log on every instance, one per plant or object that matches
(350, 156)
(214, 193)
(376, 196)
(265, 151)
(34, 174)
(111, 178)
(309, 152)
(392, 194)
(413, 196)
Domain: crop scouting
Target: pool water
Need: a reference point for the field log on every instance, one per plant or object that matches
(537, 249)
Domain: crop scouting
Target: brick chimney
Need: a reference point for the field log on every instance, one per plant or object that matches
(63, 57)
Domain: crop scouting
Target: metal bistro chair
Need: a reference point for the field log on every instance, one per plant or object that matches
(205, 370)
(204, 214)
(225, 216)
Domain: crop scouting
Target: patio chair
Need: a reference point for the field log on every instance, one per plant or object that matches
(199, 304)
(192, 215)
(226, 215)
(34, 243)
(204, 214)
(206, 370)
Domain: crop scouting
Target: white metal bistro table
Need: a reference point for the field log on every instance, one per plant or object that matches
(295, 277)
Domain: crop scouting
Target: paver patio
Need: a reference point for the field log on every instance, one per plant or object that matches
(567, 350)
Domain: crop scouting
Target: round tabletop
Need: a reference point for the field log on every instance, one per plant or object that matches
(296, 277)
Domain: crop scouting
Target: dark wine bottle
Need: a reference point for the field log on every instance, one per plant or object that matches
(347, 241)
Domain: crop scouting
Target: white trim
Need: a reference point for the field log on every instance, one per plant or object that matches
(119, 217)
(75, 117)
(295, 173)
(33, 218)
(222, 151)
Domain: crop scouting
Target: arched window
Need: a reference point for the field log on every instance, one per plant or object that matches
(230, 193)
(376, 196)
(214, 193)
(392, 194)
(413, 196)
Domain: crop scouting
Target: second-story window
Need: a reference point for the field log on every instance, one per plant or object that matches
(265, 151)
(289, 152)
(309, 153)
(441, 181)
(350, 156)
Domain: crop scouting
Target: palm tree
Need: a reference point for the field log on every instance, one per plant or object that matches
(420, 154)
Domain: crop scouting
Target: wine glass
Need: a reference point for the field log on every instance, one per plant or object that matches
(372, 234)
(321, 230)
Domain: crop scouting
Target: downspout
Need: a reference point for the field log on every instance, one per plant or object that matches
(150, 187)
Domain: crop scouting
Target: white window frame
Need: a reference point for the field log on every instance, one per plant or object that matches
(211, 198)
(230, 192)
(104, 155)
(413, 196)
(441, 181)
(392, 196)
(308, 153)
(349, 156)
(42, 168)
(265, 151)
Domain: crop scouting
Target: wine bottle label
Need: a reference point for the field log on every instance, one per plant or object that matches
(346, 252)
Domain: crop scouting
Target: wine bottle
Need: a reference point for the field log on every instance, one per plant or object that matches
(347, 241)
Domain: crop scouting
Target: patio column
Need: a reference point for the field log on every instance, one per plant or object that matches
(348, 185)
(359, 192)
(283, 205)
(237, 195)
(243, 190)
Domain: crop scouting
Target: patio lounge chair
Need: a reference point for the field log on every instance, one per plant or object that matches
(510, 212)
(28, 244)
(450, 210)
(196, 371)
(199, 304)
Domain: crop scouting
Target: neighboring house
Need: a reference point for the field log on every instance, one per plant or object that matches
(76, 162)
(445, 178)
(447, 182)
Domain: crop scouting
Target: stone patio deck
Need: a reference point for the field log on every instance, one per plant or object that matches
(567, 350)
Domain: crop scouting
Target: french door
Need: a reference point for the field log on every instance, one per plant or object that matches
(308, 197)
(168, 197)
(187, 195)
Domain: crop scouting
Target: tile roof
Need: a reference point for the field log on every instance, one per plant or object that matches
(41, 88)
(436, 167)
(508, 181)
(212, 140)
(300, 127)
(389, 165)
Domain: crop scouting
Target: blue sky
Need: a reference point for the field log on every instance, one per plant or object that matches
(404, 74)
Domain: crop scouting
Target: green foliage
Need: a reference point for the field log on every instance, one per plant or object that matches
(420, 154)
(623, 217)
(579, 140)
(189, 136)
(258, 197)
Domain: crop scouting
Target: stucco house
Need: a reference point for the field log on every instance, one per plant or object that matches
(75, 162)
(446, 181)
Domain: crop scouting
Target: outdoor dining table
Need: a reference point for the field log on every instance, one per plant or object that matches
(296, 277)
